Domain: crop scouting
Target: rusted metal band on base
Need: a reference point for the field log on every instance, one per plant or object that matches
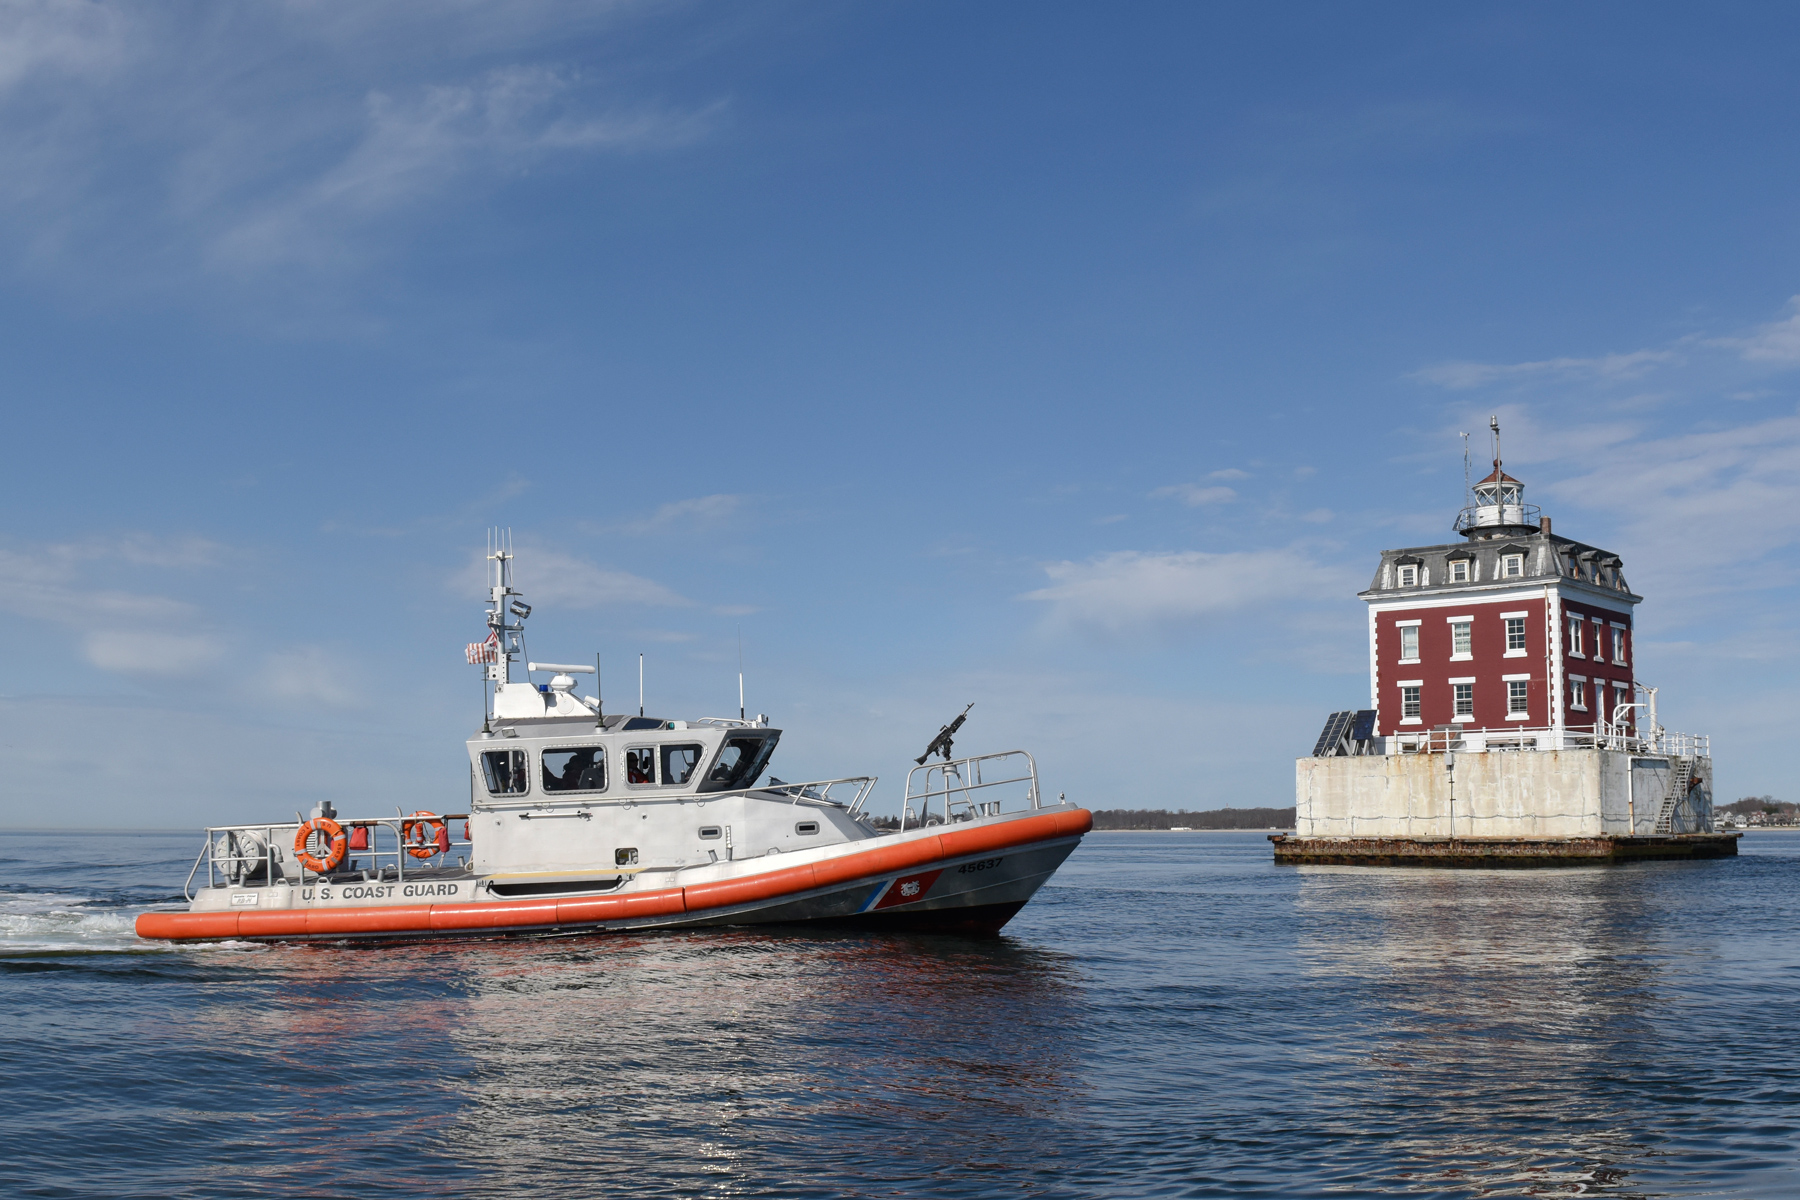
(1498, 852)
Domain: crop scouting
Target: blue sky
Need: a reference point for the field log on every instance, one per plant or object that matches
(1073, 360)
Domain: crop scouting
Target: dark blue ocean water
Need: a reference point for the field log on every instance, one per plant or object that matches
(1173, 1016)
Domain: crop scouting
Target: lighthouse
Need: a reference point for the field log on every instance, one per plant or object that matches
(1506, 723)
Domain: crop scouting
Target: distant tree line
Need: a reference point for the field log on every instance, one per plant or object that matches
(1760, 804)
(1218, 818)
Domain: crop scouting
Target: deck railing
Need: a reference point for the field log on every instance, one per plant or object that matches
(255, 855)
(956, 783)
(1623, 738)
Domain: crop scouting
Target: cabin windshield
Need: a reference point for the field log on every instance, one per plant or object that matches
(739, 764)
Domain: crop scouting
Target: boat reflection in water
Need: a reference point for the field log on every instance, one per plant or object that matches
(1506, 1020)
(659, 1065)
(679, 1063)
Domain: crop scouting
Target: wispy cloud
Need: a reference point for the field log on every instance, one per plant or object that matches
(1195, 496)
(1776, 342)
(74, 585)
(1464, 375)
(552, 577)
(413, 144)
(238, 140)
(1130, 593)
(700, 510)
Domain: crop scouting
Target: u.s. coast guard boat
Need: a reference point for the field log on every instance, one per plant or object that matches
(580, 821)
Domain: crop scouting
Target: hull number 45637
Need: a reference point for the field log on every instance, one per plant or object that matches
(984, 865)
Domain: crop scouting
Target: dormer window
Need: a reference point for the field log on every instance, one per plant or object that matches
(1409, 576)
(1512, 565)
(1459, 570)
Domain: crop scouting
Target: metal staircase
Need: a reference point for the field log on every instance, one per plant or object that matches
(1680, 780)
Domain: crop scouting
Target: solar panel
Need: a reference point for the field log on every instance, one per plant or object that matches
(1335, 727)
(1365, 726)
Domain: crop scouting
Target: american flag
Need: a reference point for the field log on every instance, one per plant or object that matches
(485, 652)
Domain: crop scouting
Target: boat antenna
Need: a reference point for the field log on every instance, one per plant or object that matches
(740, 672)
(599, 697)
(640, 685)
(941, 743)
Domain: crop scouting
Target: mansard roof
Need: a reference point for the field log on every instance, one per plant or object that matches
(1547, 557)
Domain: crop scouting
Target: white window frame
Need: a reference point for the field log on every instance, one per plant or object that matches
(1578, 692)
(1507, 560)
(1468, 568)
(1518, 616)
(1467, 681)
(1576, 621)
(1398, 627)
(1400, 579)
(1619, 630)
(1465, 619)
(1403, 684)
(1524, 714)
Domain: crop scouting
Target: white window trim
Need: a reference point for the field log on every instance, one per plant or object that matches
(1404, 624)
(1465, 719)
(1526, 613)
(1619, 624)
(1469, 617)
(1462, 658)
(1413, 682)
(1463, 679)
(1515, 679)
(1516, 654)
(1524, 716)
(1582, 680)
(1412, 720)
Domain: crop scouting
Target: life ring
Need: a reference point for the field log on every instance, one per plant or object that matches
(422, 834)
(336, 844)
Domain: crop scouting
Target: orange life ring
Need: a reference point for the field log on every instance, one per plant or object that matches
(336, 844)
(420, 834)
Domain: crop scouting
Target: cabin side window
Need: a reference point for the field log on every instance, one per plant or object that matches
(505, 772)
(679, 762)
(640, 766)
(577, 769)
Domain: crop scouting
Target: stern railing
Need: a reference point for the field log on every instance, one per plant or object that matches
(263, 854)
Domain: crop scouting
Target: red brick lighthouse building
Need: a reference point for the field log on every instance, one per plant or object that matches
(1511, 628)
(1506, 723)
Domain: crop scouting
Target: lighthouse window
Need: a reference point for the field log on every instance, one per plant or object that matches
(678, 763)
(1518, 701)
(1515, 633)
(578, 770)
(1575, 637)
(1618, 645)
(1512, 564)
(1409, 703)
(1578, 693)
(1459, 570)
(1409, 642)
(1464, 695)
(505, 772)
(1459, 639)
(1409, 576)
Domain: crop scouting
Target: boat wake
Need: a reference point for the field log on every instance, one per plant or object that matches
(70, 922)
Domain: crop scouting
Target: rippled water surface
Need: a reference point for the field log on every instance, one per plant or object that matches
(1172, 1016)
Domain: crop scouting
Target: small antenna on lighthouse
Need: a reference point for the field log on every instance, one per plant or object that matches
(1468, 493)
(1494, 424)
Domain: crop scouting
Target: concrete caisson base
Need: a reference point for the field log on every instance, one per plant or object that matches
(1498, 852)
